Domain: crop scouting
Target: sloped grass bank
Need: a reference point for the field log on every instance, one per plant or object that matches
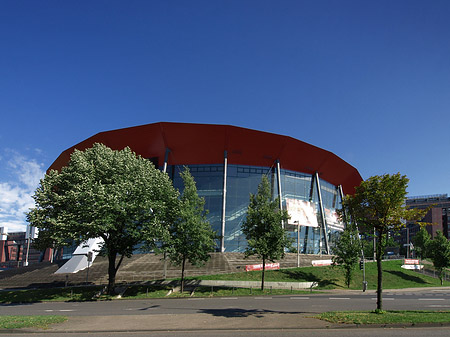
(394, 277)
(76, 294)
(131, 292)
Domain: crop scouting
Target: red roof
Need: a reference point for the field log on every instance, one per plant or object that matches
(192, 144)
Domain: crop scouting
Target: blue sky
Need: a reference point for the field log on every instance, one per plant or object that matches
(367, 80)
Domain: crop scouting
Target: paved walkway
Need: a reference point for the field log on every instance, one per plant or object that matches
(182, 322)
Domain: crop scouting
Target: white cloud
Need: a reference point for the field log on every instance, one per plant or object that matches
(29, 172)
(17, 188)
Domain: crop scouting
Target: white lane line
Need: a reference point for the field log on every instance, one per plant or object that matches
(228, 298)
(299, 298)
(439, 306)
(384, 299)
(61, 310)
(338, 298)
(196, 299)
(431, 299)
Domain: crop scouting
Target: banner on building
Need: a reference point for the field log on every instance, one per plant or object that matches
(332, 220)
(302, 213)
(269, 266)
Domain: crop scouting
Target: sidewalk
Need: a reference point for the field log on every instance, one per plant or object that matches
(180, 322)
(236, 320)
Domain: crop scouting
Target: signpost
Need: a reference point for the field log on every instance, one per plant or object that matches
(412, 264)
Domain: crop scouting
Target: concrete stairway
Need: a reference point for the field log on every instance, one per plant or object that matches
(138, 268)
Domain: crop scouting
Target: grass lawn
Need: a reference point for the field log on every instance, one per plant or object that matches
(388, 317)
(81, 294)
(48, 295)
(394, 277)
(18, 322)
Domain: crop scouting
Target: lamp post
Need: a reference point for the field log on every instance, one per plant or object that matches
(89, 260)
(298, 243)
(29, 229)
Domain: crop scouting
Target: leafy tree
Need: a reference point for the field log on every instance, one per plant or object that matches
(367, 246)
(263, 227)
(115, 195)
(192, 238)
(379, 204)
(438, 250)
(391, 243)
(421, 241)
(347, 251)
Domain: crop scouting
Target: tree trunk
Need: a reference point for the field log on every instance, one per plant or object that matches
(182, 273)
(263, 272)
(379, 257)
(111, 273)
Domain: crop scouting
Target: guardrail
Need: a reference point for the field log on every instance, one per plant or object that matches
(433, 273)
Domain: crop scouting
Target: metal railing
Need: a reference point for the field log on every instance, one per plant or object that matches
(433, 273)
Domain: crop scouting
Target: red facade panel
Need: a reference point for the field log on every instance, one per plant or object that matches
(192, 144)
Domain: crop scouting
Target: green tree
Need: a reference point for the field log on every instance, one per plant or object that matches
(438, 251)
(115, 195)
(192, 238)
(347, 251)
(379, 204)
(421, 241)
(263, 227)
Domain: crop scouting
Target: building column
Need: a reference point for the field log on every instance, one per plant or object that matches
(322, 216)
(341, 195)
(309, 230)
(224, 200)
(166, 159)
(280, 195)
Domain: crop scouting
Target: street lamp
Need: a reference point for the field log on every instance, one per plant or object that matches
(298, 242)
(28, 238)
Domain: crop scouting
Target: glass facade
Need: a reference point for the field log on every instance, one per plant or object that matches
(243, 180)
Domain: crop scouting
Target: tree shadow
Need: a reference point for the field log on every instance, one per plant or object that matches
(406, 276)
(36, 295)
(238, 312)
(148, 308)
(309, 277)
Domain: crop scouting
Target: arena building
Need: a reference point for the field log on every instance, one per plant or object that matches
(228, 163)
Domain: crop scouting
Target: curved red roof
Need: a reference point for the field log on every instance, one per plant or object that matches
(192, 144)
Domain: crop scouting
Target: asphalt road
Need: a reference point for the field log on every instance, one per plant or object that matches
(360, 332)
(314, 303)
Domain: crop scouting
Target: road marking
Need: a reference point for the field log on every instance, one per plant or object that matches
(61, 310)
(195, 299)
(299, 298)
(228, 298)
(431, 299)
(439, 306)
(338, 298)
(384, 299)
